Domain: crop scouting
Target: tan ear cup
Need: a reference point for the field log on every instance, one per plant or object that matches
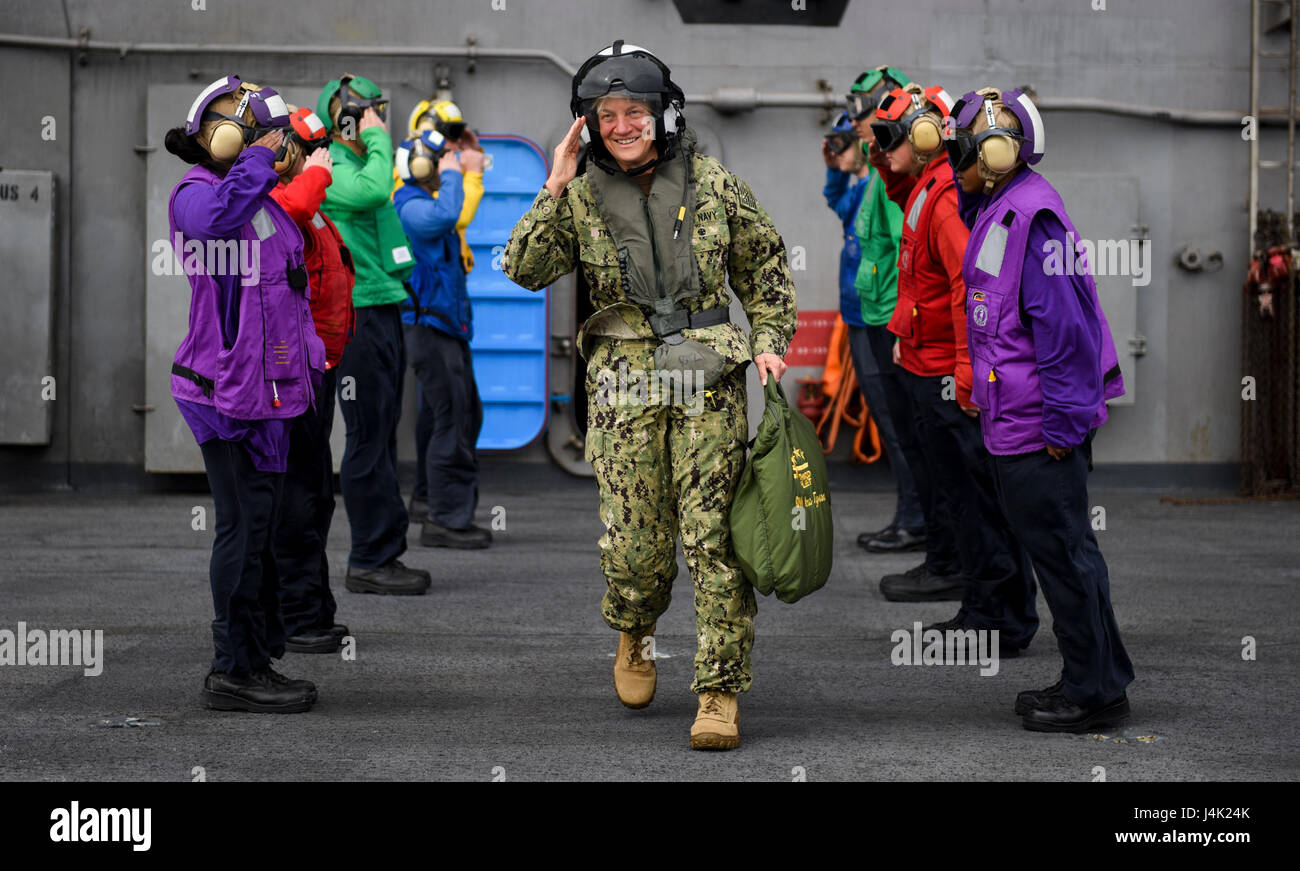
(999, 153)
(925, 134)
(225, 141)
(421, 167)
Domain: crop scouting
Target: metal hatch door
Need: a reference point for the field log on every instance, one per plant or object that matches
(511, 324)
(1107, 206)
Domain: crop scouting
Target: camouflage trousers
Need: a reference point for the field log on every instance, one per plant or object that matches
(666, 471)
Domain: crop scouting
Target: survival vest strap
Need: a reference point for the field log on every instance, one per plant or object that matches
(674, 320)
(654, 235)
(207, 384)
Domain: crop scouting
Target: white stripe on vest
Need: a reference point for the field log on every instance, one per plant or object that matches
(914, 214)
(992, 251)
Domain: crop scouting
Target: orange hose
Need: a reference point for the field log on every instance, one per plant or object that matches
(840, 376)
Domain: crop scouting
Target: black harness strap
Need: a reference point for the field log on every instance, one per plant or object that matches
(207, 384)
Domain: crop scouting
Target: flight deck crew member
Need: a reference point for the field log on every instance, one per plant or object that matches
(444, 117)
(247, 367)
(997, 584)
(658, 229)
(438, 327)
(371, 372)
(878, 224)
(1044, 364)
(307, 505)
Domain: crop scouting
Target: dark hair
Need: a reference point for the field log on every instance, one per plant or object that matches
(179, 143)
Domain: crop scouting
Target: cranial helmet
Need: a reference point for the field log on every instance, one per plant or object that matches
(229, 114)
(915, 115)
(632, 72)
(356, 94)
(868, 89)
(1010, 132)
(441, 115)
(306, 134)
(417, 158)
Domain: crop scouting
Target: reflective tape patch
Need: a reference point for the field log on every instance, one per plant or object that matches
(401, 254)
(914, 214)
(263, 225)
(275, 104)
(992, 250)
(318, 221)
(203, 95)
(403, 163)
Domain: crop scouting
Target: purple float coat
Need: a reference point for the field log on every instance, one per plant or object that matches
(1042, 356)
(254, 342)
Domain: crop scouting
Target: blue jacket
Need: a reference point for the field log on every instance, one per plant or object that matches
(844, 199)
(439, 279)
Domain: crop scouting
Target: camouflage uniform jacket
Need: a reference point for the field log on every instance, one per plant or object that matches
(733, 238)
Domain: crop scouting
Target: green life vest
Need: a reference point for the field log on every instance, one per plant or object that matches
(653, 236)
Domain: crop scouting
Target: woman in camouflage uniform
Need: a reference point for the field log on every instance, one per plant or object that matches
(658, 230)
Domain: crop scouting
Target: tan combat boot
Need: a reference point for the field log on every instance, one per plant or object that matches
(717, 724)
(634, 675)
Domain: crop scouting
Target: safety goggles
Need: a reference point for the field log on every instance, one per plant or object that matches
(453, 130)
(889, 134)
(838, 143)
(859, 105)
(379, 104)
(250, 132)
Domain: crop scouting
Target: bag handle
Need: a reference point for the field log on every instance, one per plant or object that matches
(773, 392)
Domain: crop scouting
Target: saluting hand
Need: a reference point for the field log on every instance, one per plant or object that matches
(564, 166)
(270, 140)
(449, 160)
(320, 157)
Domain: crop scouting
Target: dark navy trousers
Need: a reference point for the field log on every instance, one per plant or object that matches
(999, 583)
(1046, 502)
(306, 510)
(370, 396)
(447, 429)
(246, 627)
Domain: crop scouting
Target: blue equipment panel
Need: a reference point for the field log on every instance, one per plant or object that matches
(511, 347)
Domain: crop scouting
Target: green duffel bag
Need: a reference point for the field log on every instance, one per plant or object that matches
(781, 515)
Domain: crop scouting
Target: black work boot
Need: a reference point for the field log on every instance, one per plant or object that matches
(257, 693)
(314, 641)
(867, 536)
(919, 585)
(471, 538)
(1030, 699)
(277, 679)
(1059, 714)
(896, 540)
(390, 579)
